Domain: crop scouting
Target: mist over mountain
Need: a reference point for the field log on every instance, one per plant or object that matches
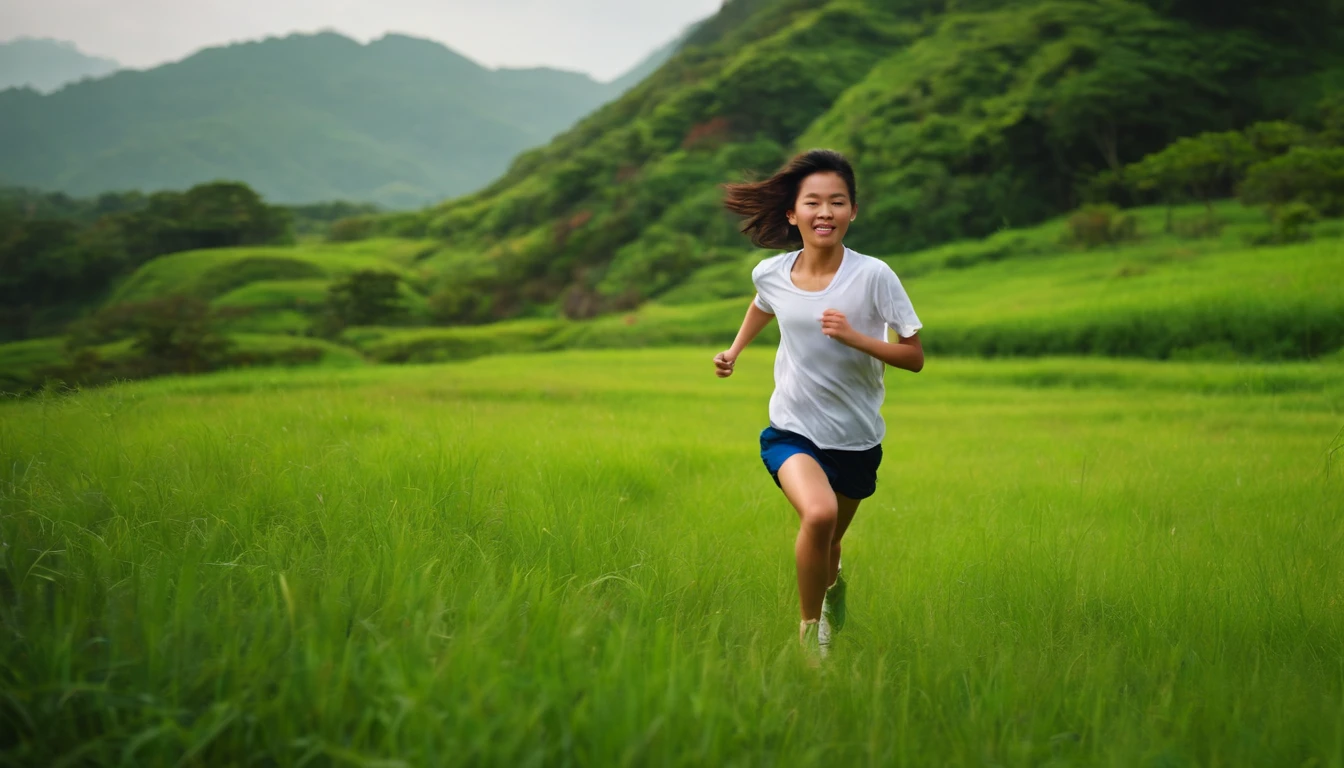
(46, 65)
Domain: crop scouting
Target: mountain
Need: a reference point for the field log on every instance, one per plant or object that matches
(962, 118)
(401, 121)
(46, 65)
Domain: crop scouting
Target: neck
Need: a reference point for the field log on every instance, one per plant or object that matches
(816, 258)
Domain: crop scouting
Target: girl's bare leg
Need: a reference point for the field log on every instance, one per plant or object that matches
(824, 516)
(846, 507)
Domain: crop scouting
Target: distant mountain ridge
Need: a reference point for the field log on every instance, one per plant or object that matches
(400, 121)
(45, 65)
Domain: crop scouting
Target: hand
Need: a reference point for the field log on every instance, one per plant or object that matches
(836, 325)
(724, 362)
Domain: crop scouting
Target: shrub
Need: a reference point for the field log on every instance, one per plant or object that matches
(1306, 174)
(173, 334)
(1206, 225)
(1292, 222)
(366, 297)
(460, 303)
(1095, 225)
(351, 228)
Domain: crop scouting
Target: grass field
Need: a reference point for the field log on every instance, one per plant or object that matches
(577, 559)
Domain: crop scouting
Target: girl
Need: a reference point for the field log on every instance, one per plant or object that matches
(834, 306)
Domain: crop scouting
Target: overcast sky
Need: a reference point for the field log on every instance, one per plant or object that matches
(601, 37)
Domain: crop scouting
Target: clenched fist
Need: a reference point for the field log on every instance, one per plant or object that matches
(723, 363)
(836, 325)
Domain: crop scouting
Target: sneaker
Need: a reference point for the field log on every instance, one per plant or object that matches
(833, 605)
(824, 635)
(808, 637)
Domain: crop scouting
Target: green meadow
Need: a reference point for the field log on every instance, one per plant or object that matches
(577, 559)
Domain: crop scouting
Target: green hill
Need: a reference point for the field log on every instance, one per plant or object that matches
(962, 119)
(401, 122)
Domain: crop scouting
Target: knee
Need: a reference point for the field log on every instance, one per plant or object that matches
(819, 519)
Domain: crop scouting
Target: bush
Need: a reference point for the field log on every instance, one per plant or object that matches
(1206, 225)
(173, 334)
(366, 297)
(1305, 174)
(1095, 225)
(352, 228)
(1291, 224)
(460, 303)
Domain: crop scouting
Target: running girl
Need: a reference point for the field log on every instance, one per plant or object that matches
(834, 306)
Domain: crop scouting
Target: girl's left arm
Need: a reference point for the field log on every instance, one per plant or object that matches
(906, 353)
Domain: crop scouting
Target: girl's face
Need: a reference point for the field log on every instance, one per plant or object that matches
(823, 210)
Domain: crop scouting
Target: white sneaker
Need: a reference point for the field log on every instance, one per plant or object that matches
(824, 635)
(833, 608)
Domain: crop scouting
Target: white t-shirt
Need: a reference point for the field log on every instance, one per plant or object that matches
(828, 392)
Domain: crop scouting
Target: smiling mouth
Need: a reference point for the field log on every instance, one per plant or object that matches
(823, 230)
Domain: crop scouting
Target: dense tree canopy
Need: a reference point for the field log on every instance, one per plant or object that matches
(57, 252)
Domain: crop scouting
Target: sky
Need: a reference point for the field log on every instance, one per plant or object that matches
(601, 37)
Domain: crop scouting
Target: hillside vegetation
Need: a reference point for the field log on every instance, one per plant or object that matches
(962, 119)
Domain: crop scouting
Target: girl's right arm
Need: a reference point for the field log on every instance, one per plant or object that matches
(752, 324)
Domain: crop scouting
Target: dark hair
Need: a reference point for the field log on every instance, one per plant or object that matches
(766, 203)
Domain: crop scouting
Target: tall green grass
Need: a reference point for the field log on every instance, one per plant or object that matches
(578, 559)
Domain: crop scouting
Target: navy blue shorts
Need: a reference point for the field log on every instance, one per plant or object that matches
(852, 473)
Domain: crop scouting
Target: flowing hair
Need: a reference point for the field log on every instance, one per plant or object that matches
(766, 204)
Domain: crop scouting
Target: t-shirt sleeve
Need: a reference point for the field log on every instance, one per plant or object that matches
(761, 302)
(894, 305)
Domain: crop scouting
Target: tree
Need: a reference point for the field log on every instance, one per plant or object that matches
(459, 302)
(1311, 175)
(57, 252)
(217, 215)
(1275, 137)
(173, 334)
(1203, 166)
(1332, 119)
(366, 297)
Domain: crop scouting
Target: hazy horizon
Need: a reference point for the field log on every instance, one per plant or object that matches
(141, 34)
